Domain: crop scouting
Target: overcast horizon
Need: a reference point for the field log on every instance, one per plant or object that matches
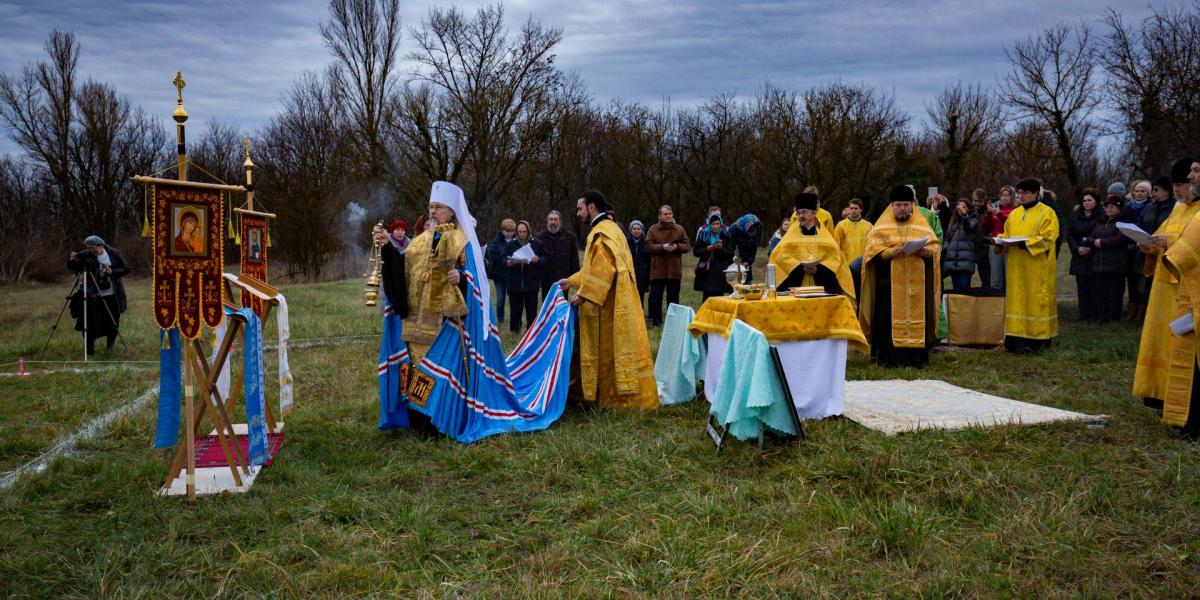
(238, 63)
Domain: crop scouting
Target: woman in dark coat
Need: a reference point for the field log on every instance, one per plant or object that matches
(1110, 260)
(958, 260)
(715, 250)
(641, 257)
(1079, 228)
(745, 234)
(99, 314)
(524, 280)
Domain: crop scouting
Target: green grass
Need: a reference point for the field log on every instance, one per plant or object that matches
(604, 503)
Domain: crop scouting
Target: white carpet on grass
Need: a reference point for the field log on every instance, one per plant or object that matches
(895, 406)
(211, 480)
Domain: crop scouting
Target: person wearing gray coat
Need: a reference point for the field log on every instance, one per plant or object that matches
(958, 259)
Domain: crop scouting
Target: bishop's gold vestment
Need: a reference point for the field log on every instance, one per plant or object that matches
(430, 297)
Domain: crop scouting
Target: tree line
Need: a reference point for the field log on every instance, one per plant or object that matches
(466, 98)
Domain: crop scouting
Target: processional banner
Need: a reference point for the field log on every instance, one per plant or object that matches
(188, 256)
(254, 254)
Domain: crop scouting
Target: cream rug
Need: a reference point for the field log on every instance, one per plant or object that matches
(894, 406)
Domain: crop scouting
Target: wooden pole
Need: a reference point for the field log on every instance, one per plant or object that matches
(190, 425)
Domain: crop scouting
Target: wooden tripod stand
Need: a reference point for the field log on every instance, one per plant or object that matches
(218, 409)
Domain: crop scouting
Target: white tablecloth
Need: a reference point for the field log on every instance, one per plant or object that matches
(816, 373)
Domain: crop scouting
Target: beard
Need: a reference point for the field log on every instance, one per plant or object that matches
(903, 216)
(554, 228)
(1195, 190)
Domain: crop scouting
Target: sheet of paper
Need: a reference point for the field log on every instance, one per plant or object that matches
(915, 246)
(1183, 325)
(1133, 232)
(524, 254)
(1013, 241)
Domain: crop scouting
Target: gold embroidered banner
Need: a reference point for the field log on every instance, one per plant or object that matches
(254, 254)
(188, 256)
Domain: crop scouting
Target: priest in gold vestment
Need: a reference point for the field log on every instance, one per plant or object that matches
(1181, 406)
(1154, 350)
(615, 369)
(1030, 304)
(808, 255)
(898, 307)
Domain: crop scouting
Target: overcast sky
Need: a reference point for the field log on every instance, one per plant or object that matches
(239, 57)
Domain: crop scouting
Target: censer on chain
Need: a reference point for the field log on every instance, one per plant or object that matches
(374, 270)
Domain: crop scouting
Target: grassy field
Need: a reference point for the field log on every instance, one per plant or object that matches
(604, 503)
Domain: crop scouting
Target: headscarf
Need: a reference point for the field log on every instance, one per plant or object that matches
(707, 235)
(528, 227)
(745, 222)
(639, 224)
(444, 192)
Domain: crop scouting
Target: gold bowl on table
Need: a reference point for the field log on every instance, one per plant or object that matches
(749, 292)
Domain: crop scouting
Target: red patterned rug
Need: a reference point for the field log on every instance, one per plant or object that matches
(208, 449)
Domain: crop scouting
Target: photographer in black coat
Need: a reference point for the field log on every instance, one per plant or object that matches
(101, 268)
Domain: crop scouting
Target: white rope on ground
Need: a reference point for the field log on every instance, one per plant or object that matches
(68, 444)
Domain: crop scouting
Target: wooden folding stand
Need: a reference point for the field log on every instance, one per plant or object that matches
(217, 408)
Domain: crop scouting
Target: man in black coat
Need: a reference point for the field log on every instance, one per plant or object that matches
(562, 252)
(98, 313)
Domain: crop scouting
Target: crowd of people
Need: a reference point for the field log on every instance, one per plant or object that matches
(894, 269)
(1106, 264)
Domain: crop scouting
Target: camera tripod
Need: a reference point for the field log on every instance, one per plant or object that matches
(81, 282)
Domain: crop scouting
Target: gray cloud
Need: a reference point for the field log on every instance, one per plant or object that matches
(239, 58)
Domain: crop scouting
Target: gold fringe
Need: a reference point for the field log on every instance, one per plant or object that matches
(268, 236)
(229, 228)
(146, 212)
(166, 337)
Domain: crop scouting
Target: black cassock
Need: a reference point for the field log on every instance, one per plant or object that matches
(882, 350)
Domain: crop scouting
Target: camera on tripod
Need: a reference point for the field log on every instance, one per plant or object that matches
(87, 262)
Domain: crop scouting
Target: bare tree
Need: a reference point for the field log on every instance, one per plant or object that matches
(364, 36)
(487, 108)
(1052, 83)
(849, 139)
(963, 119)
(305, 159)
(1152, 69)
(88, 140)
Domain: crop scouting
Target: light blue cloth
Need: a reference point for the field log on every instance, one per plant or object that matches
(252, 380)
(681, 357)
(749, 391)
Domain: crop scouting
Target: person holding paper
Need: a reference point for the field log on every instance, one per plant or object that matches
(808, 255)
(1030, 307)
(525, 254)
(1110, 261)
(898, 309)
(1150, 377)
(614, 368)
(1181, 404)
(1079, 229)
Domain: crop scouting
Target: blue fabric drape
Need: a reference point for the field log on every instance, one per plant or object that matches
(170, 388)
(393, 357)
(252, 376)
(478, 391)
